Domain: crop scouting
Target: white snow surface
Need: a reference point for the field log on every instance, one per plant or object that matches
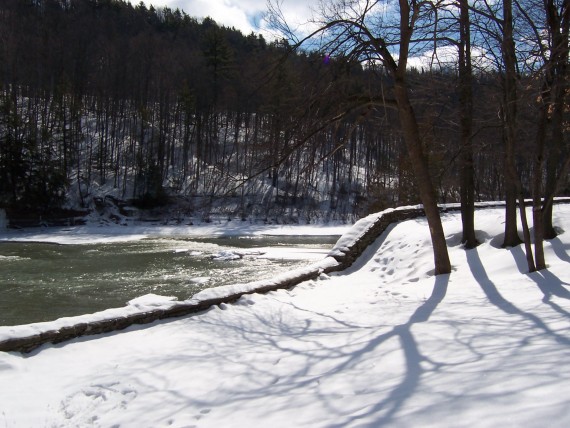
(93, 233)
(385, 343)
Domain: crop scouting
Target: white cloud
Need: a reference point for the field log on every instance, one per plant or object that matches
(447, 56)
(245, 15)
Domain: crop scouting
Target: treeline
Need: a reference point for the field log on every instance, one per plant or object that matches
(100, 97)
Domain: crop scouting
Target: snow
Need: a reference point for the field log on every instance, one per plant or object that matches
(351, 236)
(226, 255)
(231, 289)
(383, 344)
(150, 301)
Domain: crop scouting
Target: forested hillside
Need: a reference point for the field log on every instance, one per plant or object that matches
(106, 103)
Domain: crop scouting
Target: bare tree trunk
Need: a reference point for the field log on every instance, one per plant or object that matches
(512, 183)
(559, 27)
(547, 225)
(512, 238)
(538, 167)
(420, 166)
(466, 119)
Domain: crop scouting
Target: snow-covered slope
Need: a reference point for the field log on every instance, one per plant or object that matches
(384, 344)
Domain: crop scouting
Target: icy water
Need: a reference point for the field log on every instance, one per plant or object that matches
(43, 282)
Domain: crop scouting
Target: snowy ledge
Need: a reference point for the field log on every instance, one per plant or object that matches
(151, 308)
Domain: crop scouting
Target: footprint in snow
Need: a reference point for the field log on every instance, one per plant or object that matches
(84, 407)
(202, 413)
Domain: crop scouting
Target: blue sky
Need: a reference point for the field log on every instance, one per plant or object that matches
(245, 15)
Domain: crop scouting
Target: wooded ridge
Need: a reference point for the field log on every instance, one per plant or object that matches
(106, 105)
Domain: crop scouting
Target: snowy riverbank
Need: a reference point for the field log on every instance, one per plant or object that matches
(382, 344)
(93, 233)
(149, 308)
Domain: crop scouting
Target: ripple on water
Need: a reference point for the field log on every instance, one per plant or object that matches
(41, 282)
(12, 258)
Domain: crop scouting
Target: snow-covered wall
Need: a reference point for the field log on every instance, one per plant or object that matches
(147, 309)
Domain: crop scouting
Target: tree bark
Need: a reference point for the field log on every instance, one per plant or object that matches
(466, 122)
(512, 238)
(425, 186)
(559, 27)
(512, 182)
(538, 167)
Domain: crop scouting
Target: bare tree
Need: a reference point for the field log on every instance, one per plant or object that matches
(367, 32)
(494, 25)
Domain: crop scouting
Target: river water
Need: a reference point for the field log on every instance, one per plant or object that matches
(43, 281)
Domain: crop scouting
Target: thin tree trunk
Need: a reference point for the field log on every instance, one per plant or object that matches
(537, 213)
(466, 119)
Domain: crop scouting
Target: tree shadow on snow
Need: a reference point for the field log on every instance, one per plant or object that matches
(560, 249)
(551, 285)
(517, 252)
(520, 258)
(398, 396)
(495, 297)
(305, 358)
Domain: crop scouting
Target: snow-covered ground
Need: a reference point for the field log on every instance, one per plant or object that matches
(383, 344)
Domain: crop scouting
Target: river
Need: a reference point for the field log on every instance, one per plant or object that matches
(44, 281)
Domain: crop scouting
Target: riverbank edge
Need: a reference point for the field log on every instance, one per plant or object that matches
(346, 251)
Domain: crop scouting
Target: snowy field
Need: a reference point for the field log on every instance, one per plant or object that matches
(383, 344)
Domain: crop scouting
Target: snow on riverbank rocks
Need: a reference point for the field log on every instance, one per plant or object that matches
(152, 308)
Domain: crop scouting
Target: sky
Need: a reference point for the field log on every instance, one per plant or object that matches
(245, 15)
(250, 16)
